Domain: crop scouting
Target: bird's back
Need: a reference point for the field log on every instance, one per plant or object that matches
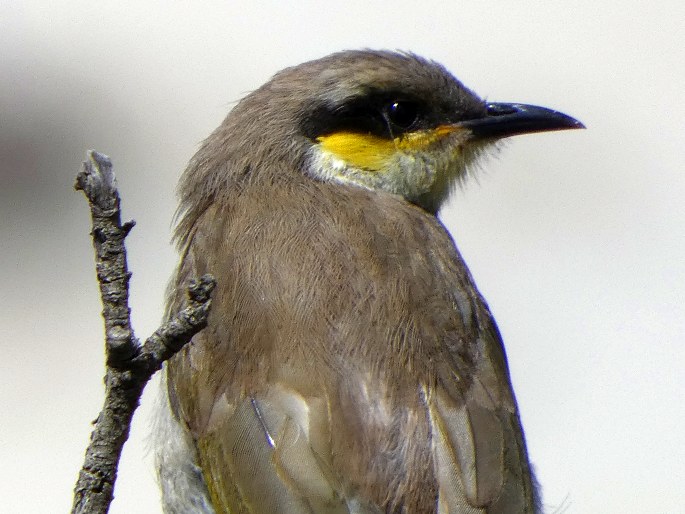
(349, 364)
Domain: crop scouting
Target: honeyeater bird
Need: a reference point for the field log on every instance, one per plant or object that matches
(349, 365)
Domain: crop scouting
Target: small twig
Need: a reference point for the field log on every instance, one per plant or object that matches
(129, 365)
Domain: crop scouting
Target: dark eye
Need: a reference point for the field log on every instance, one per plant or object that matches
(401, 114)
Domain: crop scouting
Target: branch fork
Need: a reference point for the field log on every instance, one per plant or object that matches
(130, 365)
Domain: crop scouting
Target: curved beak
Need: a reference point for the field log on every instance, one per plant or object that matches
(510, 119)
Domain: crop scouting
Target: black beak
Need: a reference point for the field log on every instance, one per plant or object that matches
(504, 120)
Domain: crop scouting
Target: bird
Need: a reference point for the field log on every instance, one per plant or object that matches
(349, 364)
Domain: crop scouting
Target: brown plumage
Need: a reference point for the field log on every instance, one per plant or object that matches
(349, 365)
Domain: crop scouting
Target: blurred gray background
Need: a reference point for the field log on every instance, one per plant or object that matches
(575, 238)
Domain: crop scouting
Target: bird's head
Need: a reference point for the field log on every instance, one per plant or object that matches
(381, 120)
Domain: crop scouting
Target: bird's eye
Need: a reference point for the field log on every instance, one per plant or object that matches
(401, 114)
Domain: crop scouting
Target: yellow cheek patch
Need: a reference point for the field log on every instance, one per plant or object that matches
(363, 151)
(374, 153)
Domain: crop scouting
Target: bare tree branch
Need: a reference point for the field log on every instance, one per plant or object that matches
(129, 365)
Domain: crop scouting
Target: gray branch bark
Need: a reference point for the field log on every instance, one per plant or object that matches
(129, 365)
